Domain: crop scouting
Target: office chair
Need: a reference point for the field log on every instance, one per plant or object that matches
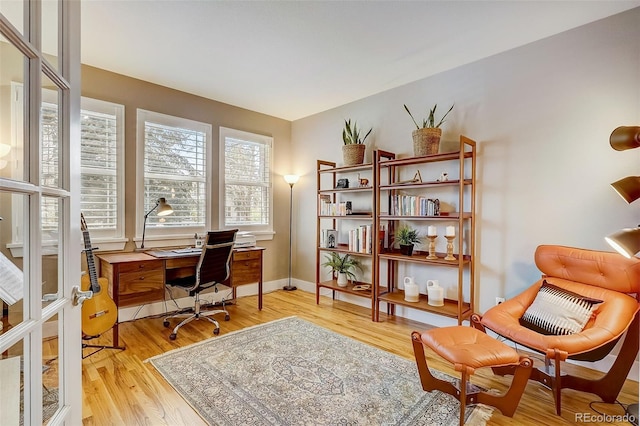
(212, 269)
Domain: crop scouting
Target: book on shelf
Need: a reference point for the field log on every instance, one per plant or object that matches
(413, 205)
(360, 239)
(329, 208)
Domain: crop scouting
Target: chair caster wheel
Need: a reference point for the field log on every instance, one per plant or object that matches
(227, 317)
(166, 323)
(172, 336)
(216, 331)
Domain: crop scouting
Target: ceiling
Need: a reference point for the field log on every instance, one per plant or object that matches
(292, 59)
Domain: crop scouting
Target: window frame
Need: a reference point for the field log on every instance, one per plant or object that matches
(261, 232)
(170, 236)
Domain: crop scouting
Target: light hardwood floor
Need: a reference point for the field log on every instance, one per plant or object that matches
(119, 388)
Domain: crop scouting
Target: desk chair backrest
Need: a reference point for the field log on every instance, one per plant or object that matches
(214, 264)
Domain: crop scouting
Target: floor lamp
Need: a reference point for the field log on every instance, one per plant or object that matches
(291, 180)
(627, 241)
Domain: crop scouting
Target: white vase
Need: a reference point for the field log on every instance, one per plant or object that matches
(342, 279)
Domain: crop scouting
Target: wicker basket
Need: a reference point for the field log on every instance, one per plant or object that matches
(353, 154)
(426, 141)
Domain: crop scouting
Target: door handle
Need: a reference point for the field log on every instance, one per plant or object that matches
(80, 296)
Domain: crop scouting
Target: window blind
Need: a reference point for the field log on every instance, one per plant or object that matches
(247, 182)
(175, 168)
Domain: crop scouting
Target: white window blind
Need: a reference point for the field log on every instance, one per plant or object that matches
(99, 160)
(101, 195)
(175, 167)
(247, 180)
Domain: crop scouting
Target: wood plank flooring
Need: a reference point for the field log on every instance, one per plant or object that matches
(119, 388)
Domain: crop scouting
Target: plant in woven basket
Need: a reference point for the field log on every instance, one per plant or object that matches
(351, 135)
(430, 121)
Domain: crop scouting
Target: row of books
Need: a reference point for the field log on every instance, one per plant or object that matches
(413, 205)
(360, 240)
(333, 209)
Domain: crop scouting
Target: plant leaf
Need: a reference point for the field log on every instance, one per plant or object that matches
(444, 116)
(410, 115)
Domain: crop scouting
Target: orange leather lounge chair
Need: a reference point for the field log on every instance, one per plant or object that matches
(608, 279)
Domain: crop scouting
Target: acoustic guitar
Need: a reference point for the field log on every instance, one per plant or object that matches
(99, 313)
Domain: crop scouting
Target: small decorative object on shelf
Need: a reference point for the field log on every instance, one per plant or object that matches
(407, 237)
(432, 247)
(411, 290)
(444, 176)
(450, 255)
(342, 183)
(435, 293)
(363, 182)
(417, 178)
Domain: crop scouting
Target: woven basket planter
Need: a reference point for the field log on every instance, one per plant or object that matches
(426, 141)
(353, 154)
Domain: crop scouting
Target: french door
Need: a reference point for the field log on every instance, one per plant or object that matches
(40, 239)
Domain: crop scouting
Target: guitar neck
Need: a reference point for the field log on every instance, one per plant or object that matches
(91, 265)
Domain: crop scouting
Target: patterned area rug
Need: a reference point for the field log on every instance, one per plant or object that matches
(293, 372)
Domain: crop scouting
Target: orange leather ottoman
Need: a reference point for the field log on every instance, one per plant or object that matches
(468, 349)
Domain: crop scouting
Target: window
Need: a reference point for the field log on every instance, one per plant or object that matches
(102, 180)
(174, 164)
(245, 181)
(102, 167)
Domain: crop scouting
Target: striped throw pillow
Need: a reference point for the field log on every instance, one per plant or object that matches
(557, 311)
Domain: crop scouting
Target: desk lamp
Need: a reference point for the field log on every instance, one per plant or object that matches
(164, 209)
(291, 180)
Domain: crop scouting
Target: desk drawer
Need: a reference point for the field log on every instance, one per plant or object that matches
(137, 288)
(246, 271)
(147, 265)
(246, 255)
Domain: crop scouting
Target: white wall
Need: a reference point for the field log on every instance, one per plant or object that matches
(542, 115)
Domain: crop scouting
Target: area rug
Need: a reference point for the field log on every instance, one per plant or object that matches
(293, 372)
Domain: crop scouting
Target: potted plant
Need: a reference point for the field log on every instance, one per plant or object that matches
(407, 237)
(353, 148)
(343, 266)
(426, 139)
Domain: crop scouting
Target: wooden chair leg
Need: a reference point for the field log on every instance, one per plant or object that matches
(463, 395)
(508, 402)
(608, 386)
(428, 381)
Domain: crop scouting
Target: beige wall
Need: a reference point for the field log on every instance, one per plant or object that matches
(542, 115)
(134, 94)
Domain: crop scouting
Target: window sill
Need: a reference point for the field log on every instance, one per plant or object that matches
(49, 248)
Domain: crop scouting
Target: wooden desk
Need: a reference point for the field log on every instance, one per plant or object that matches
(136, 278)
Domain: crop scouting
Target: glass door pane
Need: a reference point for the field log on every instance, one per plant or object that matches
(50, 31)
(50, 134)
(14, 12)
(51, 267)
(12, 103)
(50, 369)
(12, 250)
